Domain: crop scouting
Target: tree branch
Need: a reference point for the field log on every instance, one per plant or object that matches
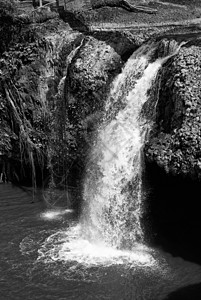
(123, 4)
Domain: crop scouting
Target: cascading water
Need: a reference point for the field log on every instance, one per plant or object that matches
(110, 229)
(113, 183)
(102, 255)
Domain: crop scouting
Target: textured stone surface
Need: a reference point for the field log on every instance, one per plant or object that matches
(30, 75)
(175, 142)
(123, 4)
(123, 42)
(90, 73)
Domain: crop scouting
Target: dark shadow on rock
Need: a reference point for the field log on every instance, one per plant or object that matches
(183, 33)
(73, 20)
(192, 292)
(123, 43)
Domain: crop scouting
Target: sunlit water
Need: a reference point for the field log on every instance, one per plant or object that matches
(31, 269)
(55, 214)
(113, 204)
(49, 254)
(113, 197)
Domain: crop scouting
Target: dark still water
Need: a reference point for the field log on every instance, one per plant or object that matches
(42, 256)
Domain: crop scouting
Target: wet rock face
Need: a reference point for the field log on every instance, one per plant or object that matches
(29, 80)
(89, 76)
(92, 69)
(123, 42)
(54, 64)
(90, 73)
(175, 142)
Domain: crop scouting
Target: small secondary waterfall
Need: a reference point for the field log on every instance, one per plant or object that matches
(113, 205)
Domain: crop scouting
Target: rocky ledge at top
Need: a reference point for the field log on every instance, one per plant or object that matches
(175, 141)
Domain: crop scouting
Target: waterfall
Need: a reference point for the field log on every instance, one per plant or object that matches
(113, 204)
(110, 230)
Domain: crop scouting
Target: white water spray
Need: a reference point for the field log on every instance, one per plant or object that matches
(113, 196)
(113, 205)
(110, 229)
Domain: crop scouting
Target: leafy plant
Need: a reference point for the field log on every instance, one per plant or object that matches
(7, 7)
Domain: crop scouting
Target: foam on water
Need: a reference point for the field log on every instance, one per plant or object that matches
(55, 214)
(110, 223)
(70, 246)
(110, 230)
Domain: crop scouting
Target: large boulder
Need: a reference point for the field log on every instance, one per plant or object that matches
(91, 71)
(123, 42)
(89, 76)
(175, 142)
